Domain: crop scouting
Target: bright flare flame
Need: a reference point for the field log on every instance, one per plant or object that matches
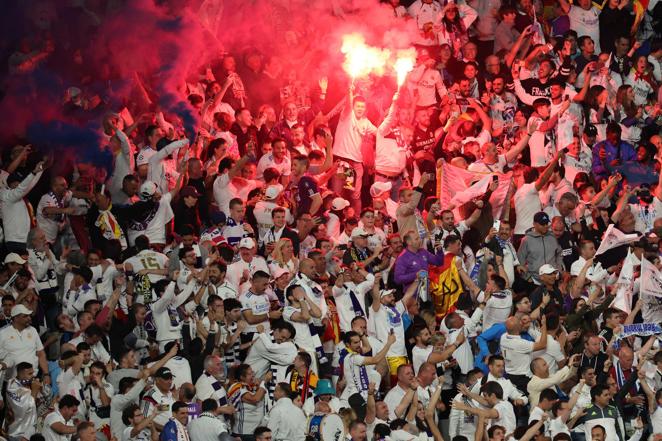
(361, 59)
(404, 64)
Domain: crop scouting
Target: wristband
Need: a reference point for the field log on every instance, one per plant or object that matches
(418, 189)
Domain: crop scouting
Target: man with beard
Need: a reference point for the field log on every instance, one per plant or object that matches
(423, 351)
(503, 104)
(536, 87)
(210, 384)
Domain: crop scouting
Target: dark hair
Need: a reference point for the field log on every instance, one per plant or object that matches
(549, 395)
(306, 358)
(209, 405)
(347, 338)
(68, 401)
(142, 242)
(94, 331)
(22, 366)
(499, 281)
(183, 251)
(82, 346)
(278, 210)
(261, 430)
(283, 325)
(492, 388)
(270, 174)
(231, 303)
(493, 359)
(259, 274)
(491, 430)
(235, 202)
(179, 405)
(128, 412)
(598, 389)
(127, 383)
(451, 238)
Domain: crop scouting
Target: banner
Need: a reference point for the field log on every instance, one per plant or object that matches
(445, 286)
(637, 174)
(641, 329)
(651, 279)
(455, 187)
(625, 284)
(614, 238)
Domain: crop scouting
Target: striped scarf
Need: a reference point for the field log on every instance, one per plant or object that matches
(109, 227)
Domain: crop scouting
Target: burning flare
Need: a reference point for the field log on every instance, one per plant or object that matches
(404, 64)
(361, 59)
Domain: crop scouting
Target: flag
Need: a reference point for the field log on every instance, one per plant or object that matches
(640, 7)
(455, 187)
(445, 286)
(614, 238)
(651, 279)
(538, 36)
(637, 174)
(625, 284)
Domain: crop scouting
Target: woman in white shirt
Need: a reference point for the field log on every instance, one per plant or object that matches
(283, 257)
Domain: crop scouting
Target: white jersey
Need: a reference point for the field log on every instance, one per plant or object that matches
(49, 433)
(517, 354)
(24, 409)
(149, 260)
(390, 318)
(52, 223)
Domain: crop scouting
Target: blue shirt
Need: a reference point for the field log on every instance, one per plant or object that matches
(493, 333)
(623, 151)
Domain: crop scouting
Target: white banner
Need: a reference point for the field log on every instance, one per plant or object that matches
(456, 188)
(651, 279)
(614, 238)
(625, 284)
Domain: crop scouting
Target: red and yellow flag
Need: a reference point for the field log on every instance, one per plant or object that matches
(445, 286)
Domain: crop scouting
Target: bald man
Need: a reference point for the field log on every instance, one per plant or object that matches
(541, 379)
(53, 207)
(517, 351)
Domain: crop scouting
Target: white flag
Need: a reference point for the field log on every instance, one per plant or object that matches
(651, 279)
(625, 284)
(615, 238)
(455, 187)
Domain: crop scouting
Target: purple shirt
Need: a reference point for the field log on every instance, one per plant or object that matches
(408, 264)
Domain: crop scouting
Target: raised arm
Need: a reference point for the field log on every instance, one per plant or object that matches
(512, 154)
(541, 343)
(544, 177)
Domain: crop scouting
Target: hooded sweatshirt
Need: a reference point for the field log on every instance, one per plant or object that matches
(537, 249)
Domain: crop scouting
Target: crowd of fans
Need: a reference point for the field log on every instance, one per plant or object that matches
(268, 277)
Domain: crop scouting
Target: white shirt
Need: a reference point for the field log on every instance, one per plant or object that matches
(236, 271)
(527, 204)
(49, 433)
(393, 399)
(149, 259)
(258, 305)
(517, 354)
(19, 346)
(14, 207)
(586, 23)
(344, 305)
(462, 354)
(154, 398)
(51, 224)
(644, 217)
(510, 392)
(165, 315)
(222, 192)
(424, 12)
(24, 409)
(552, 354)
(349, 135)
(158, 172)
(155, 229)
(284, 167)
(287, 421)
(420, 356)
(497, 308)
(388, 318)
(480, 166)
(207, 427)
(506, 417)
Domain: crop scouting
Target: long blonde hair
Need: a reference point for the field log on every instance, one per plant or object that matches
(277, 253)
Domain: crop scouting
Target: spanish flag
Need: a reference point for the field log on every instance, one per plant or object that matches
(445, 286)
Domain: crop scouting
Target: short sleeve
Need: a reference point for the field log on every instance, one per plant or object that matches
(524, 346)
(288, 312)
(358, 359)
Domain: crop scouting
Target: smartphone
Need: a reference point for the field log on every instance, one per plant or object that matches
(495, 178)
(497, 224)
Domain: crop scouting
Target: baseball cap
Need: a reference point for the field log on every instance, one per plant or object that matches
(358, 231)
(147, 190)
(546, 269)
(273, 191)
(189, 190)
(338, 204)
(14, 258)
(590, 130)
(20, 309)
(247, 242)
(164, 373)
(541, 218)
(279, 272)
(386, 292)
(379, 188)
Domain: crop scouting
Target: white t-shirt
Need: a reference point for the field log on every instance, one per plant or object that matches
(557, 426)
(497, 308)
(149, 259)
(284, 167)
(506, 417)
(517, 354)
(393, 398)
(553, 354)
(303, 338)
(586, 23)
(156, 227)
(356, 376)
(20, 346)
(258, 305)
(420, 356)
(480, 166)
(527, 204)
(143, 435)
(388, 318)
(644, 217)
(223, 193)
(49, 433)
(51, 224)
(542, 144)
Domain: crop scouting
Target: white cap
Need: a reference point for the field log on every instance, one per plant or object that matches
(20, 309)
(279, 272)
(14, 258)
(386, 292)
(358, 231)
(546, 269)
(147, 190)
(338, 204)
(247, 242)
(379, 188)
(273, 191)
